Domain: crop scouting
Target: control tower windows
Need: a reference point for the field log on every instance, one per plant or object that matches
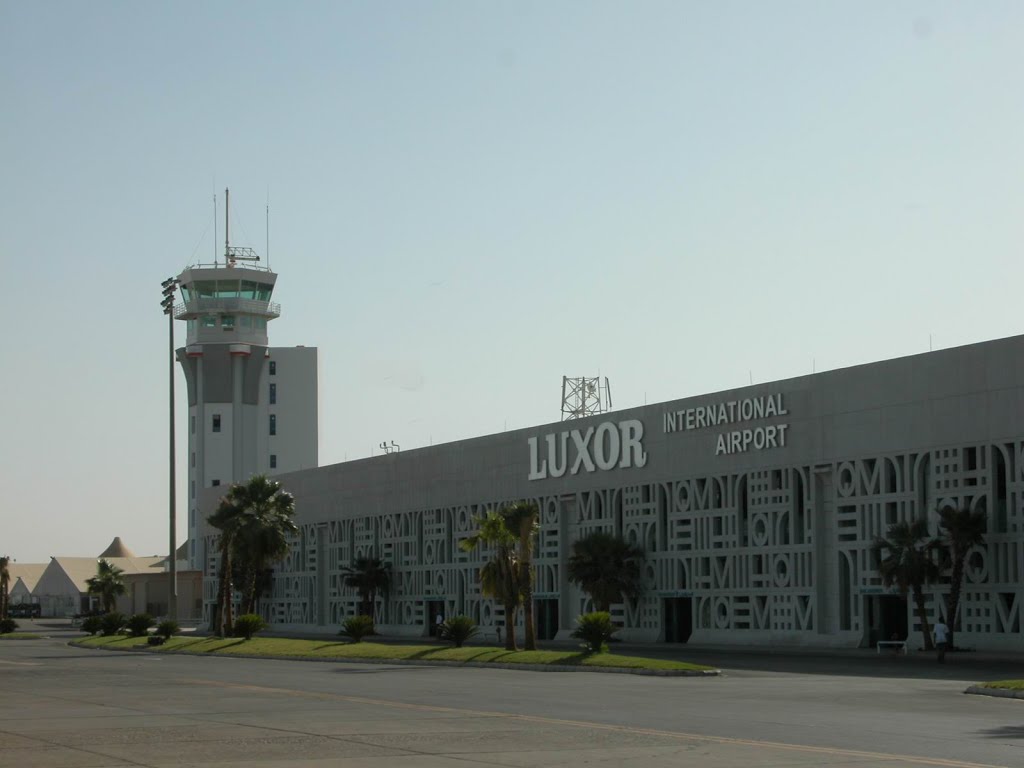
(273, 424)
(273, 394)
(273, 368)
(228, 322)
(273, 461)
(216, 422)
(210, 321)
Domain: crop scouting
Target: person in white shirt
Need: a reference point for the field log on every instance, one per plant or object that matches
(941, 632)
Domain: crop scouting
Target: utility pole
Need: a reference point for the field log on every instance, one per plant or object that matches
(169, 286)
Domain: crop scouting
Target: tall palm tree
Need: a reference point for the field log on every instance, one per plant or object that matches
(522, 519)
(264, 528)
(962, 530)
(499, 576)
(607, 567)
(108, 583)
(5, 583)
(906, 558)
(227, 519)
(369, 576)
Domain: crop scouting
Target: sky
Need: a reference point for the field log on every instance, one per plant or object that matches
(470, 200)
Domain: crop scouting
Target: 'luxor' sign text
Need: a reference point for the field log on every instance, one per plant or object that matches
(606, 446)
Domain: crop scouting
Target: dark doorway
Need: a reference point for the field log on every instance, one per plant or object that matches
(678, 612)
(546, 618)
(435, 615)
(887, 618)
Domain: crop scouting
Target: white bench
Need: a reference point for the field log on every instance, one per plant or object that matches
(899, 645)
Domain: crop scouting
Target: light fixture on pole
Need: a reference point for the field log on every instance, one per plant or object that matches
(169, 286)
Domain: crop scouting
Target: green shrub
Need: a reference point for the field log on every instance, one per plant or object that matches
(458, 630)
(167, 627)
(595, 630)
(248, 625)
(355, 628)
(92, 624)
(7, 625)
(139, 624)
(112, 623)
(156, 640)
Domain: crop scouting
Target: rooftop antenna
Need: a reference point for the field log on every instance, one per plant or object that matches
(268, 227)
(582, 396)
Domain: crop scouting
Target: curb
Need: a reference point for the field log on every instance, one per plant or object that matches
(423, 663)
(1001, 693)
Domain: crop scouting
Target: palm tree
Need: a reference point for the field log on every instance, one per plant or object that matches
(369, 576)
(227, 519)
(5, 582)
(909, 563)
(264, 528)
(522, 519)
(499, 576)
(962, 530)
(108, 583)
(607, 567)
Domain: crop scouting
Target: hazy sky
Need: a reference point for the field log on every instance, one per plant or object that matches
(470, 200)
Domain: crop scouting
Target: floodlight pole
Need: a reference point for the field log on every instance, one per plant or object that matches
(169, 286)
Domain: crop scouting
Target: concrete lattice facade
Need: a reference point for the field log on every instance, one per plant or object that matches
(756, 508)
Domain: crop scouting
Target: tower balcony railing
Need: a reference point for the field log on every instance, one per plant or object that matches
(199, 307)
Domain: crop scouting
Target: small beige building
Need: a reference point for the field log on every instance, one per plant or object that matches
(24, 577)
(62, 591)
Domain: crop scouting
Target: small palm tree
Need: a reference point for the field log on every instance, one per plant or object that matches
(5, 583)
(606, 567)
(906, 558)
(962, 530)
(499, 576)
(108, 583)
(369, 576)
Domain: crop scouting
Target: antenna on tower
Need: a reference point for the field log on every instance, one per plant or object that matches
(227, 206)
(215, 229)
(582, 396)
(268, 227)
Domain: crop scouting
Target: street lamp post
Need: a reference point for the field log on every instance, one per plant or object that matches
(169, 286)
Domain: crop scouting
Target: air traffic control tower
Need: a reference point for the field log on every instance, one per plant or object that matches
(252, 408)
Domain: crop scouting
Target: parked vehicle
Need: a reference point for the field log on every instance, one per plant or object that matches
(25, 611)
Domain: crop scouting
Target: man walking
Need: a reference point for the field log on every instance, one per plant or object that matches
(941, 632)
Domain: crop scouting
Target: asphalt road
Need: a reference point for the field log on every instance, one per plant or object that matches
(66, 707)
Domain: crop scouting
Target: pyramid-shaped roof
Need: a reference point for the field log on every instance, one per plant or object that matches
(117, 549)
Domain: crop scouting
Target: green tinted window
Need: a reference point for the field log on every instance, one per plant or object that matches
(248, 289)
(209, 321)
(205, 289)
(227, 322)
(227, 289)
(185, 292)
(263, 291)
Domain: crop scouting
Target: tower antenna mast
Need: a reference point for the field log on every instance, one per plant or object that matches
(215, 229)
(227, 205)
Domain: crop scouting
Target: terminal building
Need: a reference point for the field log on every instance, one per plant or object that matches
(756, 509)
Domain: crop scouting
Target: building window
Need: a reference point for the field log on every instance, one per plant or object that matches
(273, 367)
(215, 483)
(193, 427)
(193, 489)
(273, 424)
(210, 321)
(273, 394)
(228, 322)
(193, 458)
(273, 461)
(216, 422)
(192, 518)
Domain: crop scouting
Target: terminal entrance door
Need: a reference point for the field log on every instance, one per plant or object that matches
(545, 614)
(435, 609)
(886, 618)
(678, 616)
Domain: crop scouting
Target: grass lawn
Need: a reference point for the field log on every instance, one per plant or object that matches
(1013, 685)
(20, 636)
(328, 649)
